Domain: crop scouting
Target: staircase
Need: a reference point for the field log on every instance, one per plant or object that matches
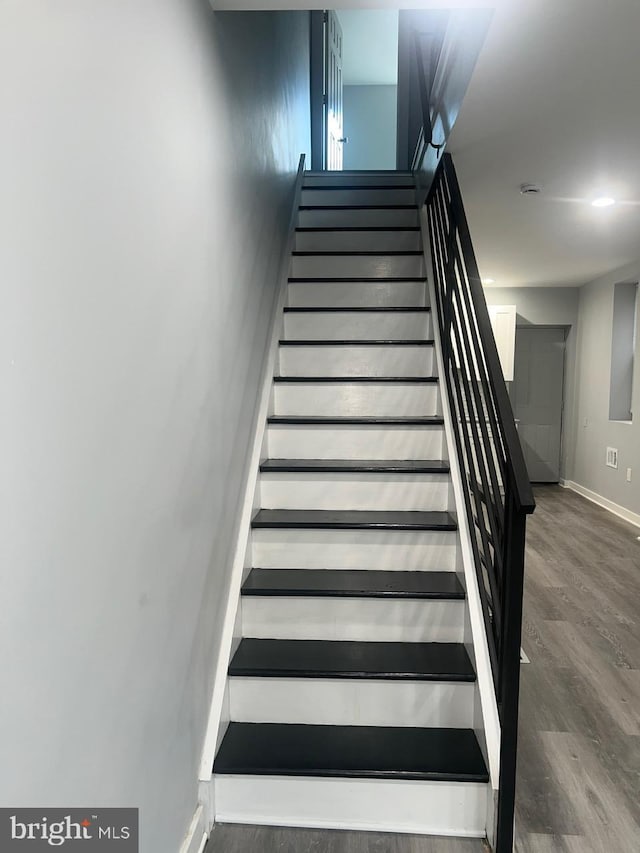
(352, 694)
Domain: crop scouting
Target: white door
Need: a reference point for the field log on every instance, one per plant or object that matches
(536, 394)
(333, 92)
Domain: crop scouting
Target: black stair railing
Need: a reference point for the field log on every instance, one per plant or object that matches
(496, 486)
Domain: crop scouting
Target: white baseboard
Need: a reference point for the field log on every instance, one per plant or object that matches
(605, 503)
(196, 837)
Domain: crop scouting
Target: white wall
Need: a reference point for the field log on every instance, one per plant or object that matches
(370, 46)
(370, 124)
(146, 161)
(593, 429)
(549, 306)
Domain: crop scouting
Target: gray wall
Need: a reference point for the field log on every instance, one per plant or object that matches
(370, 125)
(146, 161)
(549, 306)
(587, 430)
(593, 429)
(538, 306)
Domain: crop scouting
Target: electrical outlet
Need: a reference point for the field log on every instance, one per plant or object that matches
(612, 457)
(628, 475)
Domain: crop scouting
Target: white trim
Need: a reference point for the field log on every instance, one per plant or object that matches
(251, 476)
(196, 837)
(621, 511)
(484, 674)
(206, 800)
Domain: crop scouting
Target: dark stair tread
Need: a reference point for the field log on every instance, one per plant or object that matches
(286, 749)
(379, 278)
(328, 228)
(327, 519)
(321, 173)
(384, 466)
(353, 583)
(360, 253)
(410, 309)
(357, 206)
(331, 187)
(324, 342)
(257, 658)
(427, 420)
(347, 379)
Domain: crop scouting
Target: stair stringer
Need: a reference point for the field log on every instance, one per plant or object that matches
(486, 716)
(232, 625)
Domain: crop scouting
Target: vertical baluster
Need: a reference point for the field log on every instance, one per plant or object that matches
(506, 465)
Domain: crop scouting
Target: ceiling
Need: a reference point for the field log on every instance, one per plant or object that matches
(370, 52)
(554, 100)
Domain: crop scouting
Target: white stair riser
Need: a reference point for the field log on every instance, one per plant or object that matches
(364, 218)
(366, 399)
(357, 241)
(383, 805)
(372, 326)
(350, 360)
(352, 179)
(354, 266)
(351, 702)
(337, 491)
(402, 550)
(294, 441)
(357, 294)
(364, 619)
(364, 195)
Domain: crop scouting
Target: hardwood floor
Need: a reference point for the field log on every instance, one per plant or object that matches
(262, 839)
(579, 747)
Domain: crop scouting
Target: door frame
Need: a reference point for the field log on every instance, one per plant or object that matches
(334, 137)
(318, 86)
(317, 59)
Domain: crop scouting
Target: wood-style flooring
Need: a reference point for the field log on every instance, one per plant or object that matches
(579, 746)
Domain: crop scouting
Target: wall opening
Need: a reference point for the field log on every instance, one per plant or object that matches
(370, 76)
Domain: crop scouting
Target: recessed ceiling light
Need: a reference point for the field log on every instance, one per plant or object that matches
(530, 189)
(488, 281)
(603, 201)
